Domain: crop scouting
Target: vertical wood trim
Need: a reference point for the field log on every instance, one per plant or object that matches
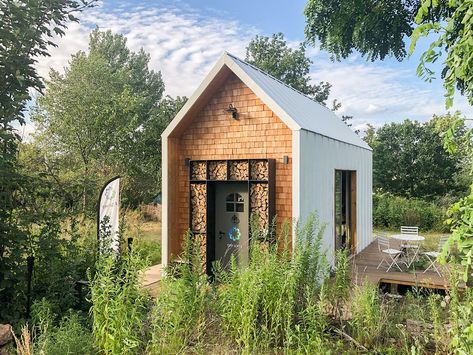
(170, 231)
(353, 223)
(334, 211)
(271, 196)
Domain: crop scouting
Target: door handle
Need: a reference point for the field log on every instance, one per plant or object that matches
(221, 234)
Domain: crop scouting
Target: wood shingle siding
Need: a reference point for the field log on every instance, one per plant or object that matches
(213, 135)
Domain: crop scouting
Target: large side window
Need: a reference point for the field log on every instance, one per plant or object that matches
(345, 210)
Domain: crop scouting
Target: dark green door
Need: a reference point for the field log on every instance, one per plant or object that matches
(231, 222)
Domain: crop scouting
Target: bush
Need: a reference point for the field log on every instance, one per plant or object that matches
(119, 305)
(70, 336)
(63, 254)
(179, 315)
(149, 250)
(393, 211)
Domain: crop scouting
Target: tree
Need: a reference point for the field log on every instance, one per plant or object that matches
(143, 156)
(453, 22)
(409, 160)
(378, 29)
(104, 116)
(27, 28)
(460, 213)
(370, 135)
(291, 66)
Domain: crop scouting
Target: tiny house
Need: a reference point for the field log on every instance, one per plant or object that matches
(247, 144)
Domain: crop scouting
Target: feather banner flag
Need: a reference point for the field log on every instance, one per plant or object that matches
(108, 223)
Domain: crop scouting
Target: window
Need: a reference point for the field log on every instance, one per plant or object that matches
(235, 203)
(345, 210)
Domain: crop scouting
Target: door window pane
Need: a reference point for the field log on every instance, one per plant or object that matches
(235, 203)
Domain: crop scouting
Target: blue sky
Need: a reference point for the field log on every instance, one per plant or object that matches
(186, 37)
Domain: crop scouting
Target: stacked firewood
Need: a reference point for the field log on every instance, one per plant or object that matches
(218, 170)
(259, 204)
(239, 170)
(202, 240)
(198, 171)
(259, 170)
(198, 207)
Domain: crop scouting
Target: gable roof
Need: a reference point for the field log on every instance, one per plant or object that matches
(295, 109)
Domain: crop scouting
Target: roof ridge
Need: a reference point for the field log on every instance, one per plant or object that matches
(274, 78)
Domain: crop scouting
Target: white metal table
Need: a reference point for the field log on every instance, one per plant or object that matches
(412, 243)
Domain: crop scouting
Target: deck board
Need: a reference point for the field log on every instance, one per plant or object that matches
(364, 267)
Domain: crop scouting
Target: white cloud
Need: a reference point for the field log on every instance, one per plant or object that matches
(182, 43)
(376, 93)
(374, 109)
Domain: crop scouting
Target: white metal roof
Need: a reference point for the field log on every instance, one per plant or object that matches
(295, 109)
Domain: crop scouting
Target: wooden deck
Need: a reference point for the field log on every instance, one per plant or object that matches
(151, 279)
(363, 266)
(364, 269)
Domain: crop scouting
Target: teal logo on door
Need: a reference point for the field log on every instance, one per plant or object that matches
(234, 234)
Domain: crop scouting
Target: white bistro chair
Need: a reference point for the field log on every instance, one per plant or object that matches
(410, 248)
(433, 256)
(390, 255)
(407, 230)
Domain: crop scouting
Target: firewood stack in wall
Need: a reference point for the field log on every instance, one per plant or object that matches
(199, 171)
(218, 170)
(199, 208)
(259, 193)
(259, 204)
(259, 170)
(202, 240)
(239, 170)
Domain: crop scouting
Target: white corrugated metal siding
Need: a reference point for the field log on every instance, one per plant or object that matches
(319, 158)
(305, 112)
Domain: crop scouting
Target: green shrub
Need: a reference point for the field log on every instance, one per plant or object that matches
(150, 250)
(70, 336)
(393, 211)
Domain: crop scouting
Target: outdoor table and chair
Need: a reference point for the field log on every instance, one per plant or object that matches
(410, 247)
(408, 251)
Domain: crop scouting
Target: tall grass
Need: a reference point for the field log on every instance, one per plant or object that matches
(70, 335)
(119, 305)
(179, 315)
(369, 315)
(271, 302)
(336, 290)
(461, 317)
(281, 300)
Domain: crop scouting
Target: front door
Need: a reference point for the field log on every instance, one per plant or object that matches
(231, 222)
